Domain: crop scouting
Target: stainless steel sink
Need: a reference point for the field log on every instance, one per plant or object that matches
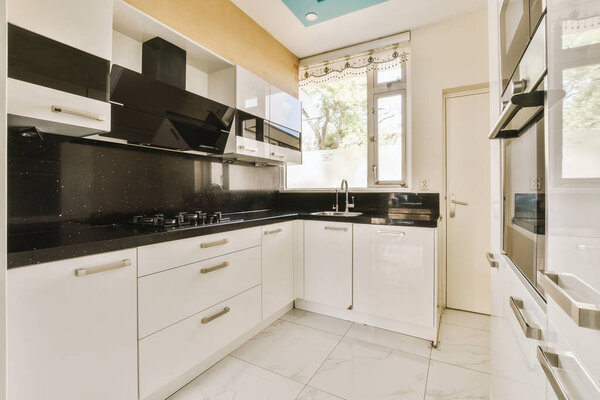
(337, 213)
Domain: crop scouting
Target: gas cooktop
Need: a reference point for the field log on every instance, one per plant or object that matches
(180, 220)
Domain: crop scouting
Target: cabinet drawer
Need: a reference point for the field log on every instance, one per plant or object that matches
(173, 295)
(163, 256)
(284, 155)
(170, 353)
(32, 105)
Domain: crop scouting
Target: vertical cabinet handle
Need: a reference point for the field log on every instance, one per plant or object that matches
(493, 262)
(215, 268)
(530, 331)
(213, 244)
(102, 268)
(206, 320)
(78, 113)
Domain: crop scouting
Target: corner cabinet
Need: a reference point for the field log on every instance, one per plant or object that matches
(328, 263)
(277, 267)
(394, 273)
(71, 329)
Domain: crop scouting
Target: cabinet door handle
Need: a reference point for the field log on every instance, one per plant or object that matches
(206, 320)
(585, 313)
(491, 260)
(273, 231)
(216, 267)
(530, 331)
(277, 155)
(213, 244)
(79, 113)
(391, 233)
(102, 268)
(550, 361)
(242, 147)
(335, 228)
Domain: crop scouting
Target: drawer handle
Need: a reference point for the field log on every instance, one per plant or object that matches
(391, 233)
(277, 155)
(215, 268)
(585, 314)
(335, 228)
(530, 331)
(79, 113)
(567, 360)
(224, 311)
(242, 147)
(102, 268)
(273, 231)
(213, 244)
(493, 262)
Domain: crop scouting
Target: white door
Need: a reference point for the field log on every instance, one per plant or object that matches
(277, 267)
(467, 202)
(328, 263)
(394, 272)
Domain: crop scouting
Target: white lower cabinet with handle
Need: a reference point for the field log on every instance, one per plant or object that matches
(71, 329)
(394, 273)
(328, 263)
(277, 267)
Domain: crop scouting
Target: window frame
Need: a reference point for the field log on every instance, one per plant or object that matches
(375, 90)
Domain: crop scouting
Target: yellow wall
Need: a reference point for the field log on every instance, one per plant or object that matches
(222, 27)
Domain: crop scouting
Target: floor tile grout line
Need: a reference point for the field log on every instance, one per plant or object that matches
(268, 370)
(427, 379)
(463, 367)
(311, 327)
(390, 348)
(325, 360)
(463, 326)
(321, 390)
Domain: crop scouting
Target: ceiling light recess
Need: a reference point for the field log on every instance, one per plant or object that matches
(311, 16)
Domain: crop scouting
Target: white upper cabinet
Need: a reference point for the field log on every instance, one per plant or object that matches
(252, 93)
(286, 110)
(328, 263)
(277, 267)
(85, 25)
(72, 329)
(394, 272)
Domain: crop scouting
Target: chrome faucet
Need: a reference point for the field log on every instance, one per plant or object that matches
(344, 187)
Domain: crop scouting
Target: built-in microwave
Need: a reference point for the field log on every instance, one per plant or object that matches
(519, 20)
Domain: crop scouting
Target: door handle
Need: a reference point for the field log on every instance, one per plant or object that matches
(493, 262)
(453, 203)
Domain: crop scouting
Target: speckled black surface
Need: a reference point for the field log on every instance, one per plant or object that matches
(72, 197)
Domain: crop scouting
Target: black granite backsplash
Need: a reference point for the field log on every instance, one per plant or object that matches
(375, 203)
(57, 179)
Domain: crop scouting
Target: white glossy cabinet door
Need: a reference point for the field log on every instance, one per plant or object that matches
(277, 267)
(286, 110)
(394, 272)
(85, 25)
(73, 337)
(252, 93)
(328, 263)
(283, 155)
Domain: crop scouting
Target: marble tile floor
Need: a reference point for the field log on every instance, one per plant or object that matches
(307, 356)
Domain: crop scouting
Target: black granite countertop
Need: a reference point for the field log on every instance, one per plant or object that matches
(52, 242)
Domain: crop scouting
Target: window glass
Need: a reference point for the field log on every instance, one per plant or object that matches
(390, 156)
(389, 75)
(334, 135)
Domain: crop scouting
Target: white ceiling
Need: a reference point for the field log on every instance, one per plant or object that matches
(370, 23)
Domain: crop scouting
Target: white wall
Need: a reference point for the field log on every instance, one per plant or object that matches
(446, 55)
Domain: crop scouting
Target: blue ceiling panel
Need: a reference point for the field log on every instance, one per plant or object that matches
(326, 9)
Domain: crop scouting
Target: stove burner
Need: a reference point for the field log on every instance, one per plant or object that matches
(184, 219)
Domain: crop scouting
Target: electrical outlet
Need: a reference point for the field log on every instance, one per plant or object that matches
(535, 184)
(424, 184)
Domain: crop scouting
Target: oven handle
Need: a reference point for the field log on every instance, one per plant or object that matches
(517, 102)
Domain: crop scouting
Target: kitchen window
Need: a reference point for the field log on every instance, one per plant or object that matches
(354, 127)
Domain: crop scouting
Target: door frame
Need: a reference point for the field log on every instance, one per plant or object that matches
(461, 91)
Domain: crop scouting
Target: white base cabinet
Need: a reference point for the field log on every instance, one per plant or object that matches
(277, 267)
(394, 273)
(328, 263)
(73, 337)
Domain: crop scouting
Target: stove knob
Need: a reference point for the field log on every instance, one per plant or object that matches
(218, 216)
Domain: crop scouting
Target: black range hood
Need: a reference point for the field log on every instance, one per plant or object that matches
(148, 111)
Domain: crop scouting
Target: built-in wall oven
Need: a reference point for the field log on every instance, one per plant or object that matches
(521, 126)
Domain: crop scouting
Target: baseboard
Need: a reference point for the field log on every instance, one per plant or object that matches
(205, 364)
(427, 333)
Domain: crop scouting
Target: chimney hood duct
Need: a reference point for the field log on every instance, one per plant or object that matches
(154, 109)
